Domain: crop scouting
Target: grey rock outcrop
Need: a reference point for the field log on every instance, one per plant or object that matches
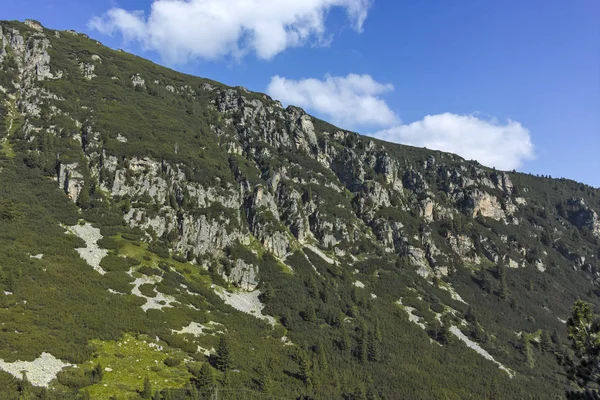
(70, 180)
(243, 275)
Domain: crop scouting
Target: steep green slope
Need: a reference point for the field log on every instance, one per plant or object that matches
(167, 231)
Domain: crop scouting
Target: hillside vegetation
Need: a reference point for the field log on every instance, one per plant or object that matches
(166, 236)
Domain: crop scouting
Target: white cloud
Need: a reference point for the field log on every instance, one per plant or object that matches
(347, 101)
(353, 101)
(504, 146)
(184, 29)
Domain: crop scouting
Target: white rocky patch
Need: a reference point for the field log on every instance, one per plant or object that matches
(157, 302)
(92, 253)
(40, 372)
(472, 345)
(34, 25)
(246, 302)
(520, 201)
(539, 264)
(453, 293)
(87, 70)
(137, 80)
(359, 284)
(206, 352)
(318, 251)
(196, 329)
(286, 341)
(155, 346)
(411, 317)
(311, 264)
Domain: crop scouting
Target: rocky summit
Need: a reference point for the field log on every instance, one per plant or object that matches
(166, 236)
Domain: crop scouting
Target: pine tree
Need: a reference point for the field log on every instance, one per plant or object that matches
(338, 320)
(305, 369)
(545, 341)
(444, 335)
(311, 285)
(26, 388)
(286, 319)
(263, 379)
(503, 292)
(205, 378)
(583, 329)
(83, 199)
(362, 349)
(223, 357)
(146, 392)
(501, 273)
(377, 331)
(96, 373)
(344, 342)
(268, 294)
(554, 337)
(374, 353)
(321, 358)
(309, 315)
(470, 315)
(484, 280)
(192, 392)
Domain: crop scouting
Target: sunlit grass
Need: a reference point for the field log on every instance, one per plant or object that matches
(128, 362)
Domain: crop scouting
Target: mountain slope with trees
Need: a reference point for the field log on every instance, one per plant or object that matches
(172, 237)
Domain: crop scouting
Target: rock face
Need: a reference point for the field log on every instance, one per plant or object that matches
(34, 25)
(487, 205)
(584, 217)
(87, 70)
(70, 180)
(289, 180)
(243, 275)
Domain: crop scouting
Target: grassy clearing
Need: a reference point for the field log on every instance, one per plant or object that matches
(140, 251)
(128, 362)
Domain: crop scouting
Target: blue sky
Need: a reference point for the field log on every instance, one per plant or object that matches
(514, 84)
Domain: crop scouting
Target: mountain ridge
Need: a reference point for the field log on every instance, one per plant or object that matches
(193, 197)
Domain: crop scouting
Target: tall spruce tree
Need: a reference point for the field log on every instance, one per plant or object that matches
(583, 368)
(223, 356)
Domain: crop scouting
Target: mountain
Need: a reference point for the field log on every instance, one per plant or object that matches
(167, 236)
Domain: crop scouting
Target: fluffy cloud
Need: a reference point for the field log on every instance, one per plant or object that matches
(184, 29)
(504, 146)
(347, 101)
(353, 101)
